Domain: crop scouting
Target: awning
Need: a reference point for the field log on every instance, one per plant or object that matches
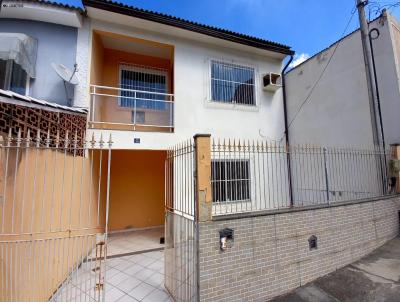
(20, 48)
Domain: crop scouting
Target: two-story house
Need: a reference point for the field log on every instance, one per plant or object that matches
(156, 80)
(147, 81)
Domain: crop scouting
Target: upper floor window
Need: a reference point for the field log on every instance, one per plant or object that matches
(12, 77)
(232, 83)
(17, 61)
(146, 87)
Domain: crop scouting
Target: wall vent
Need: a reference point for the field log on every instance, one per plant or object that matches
(313, 242)
(272, 81)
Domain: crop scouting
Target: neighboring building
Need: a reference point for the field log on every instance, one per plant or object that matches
(336, 111)
(33, 36)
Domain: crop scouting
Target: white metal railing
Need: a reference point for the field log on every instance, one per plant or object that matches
(112, 107)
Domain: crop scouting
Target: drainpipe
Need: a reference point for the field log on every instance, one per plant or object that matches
(287, 131)
(372, 37)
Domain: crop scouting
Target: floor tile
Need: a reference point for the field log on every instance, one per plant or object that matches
(117, 278)
(133, 270)
(155, 280)
(156, 295)
(144, 273)
(127, 298)
(141, 291)
(129, 284)
(113, 294)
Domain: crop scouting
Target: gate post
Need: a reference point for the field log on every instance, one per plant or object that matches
(202, 172)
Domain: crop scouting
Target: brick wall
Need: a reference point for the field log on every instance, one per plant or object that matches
(270, 254)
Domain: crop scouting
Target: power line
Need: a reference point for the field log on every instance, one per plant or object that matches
(323, 70)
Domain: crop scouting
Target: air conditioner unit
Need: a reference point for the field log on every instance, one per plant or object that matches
(272, 81)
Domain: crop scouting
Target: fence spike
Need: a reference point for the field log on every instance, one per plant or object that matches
(57, 139)
(92, 141)
(75, 141)
(48, 138)
(66, 141)
(9, 137)
(38, 139)
(28, 138)
(19, 138)
(110, 142)
(101, 142)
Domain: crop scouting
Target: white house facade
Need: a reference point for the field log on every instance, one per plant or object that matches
(189, 60)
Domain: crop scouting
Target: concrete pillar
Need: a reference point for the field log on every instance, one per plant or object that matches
(203, 176)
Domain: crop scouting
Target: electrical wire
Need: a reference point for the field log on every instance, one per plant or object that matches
(323, 70)
(376, 7)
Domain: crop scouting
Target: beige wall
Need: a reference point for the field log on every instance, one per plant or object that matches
(52, 208)
(136, 189)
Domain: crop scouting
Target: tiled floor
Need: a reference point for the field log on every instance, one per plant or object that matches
(139, 277)
(136, 277)
(132, 241)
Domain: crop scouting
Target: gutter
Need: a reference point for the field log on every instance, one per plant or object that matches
(287, 130)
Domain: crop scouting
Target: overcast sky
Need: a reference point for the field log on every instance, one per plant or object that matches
(306, 25)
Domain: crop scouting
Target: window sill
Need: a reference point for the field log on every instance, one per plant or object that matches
(230, 106)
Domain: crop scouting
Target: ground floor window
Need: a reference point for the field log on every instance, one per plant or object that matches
(230, 180)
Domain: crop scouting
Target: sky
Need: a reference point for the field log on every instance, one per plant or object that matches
(308, 26)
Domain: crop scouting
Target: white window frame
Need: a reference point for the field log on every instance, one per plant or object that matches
(220, 104)
(141, 69)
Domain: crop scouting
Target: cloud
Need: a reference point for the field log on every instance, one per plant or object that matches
(298, 59)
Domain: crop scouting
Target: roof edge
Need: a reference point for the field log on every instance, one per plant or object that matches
(50, 3)
(188, 25)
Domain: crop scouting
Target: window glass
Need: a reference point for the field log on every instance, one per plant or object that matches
(18, 79)
(15, 80)
(144, 82)
(230, 180)
(3, 66)
(231, 83)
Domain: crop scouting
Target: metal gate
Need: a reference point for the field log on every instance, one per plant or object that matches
(54, 196)
(181, 241)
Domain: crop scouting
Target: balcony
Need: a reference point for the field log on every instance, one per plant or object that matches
(132, 84)
(128, 109)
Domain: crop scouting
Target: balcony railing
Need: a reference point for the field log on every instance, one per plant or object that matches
(128, 109)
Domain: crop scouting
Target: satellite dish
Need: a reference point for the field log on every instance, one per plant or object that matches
(66, 74)
(69, 78)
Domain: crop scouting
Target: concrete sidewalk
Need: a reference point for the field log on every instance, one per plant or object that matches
(375, 278)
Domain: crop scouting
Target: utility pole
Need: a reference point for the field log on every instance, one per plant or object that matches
(368, 68)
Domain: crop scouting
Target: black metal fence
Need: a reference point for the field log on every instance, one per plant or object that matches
(257, 175)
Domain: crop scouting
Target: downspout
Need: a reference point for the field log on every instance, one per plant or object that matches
(378, 103)
(287, 131)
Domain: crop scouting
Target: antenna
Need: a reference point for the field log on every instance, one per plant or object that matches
(68, 76)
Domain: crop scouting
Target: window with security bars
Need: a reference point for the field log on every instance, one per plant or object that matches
(147, 87)
(230, 180)
(232, 83)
